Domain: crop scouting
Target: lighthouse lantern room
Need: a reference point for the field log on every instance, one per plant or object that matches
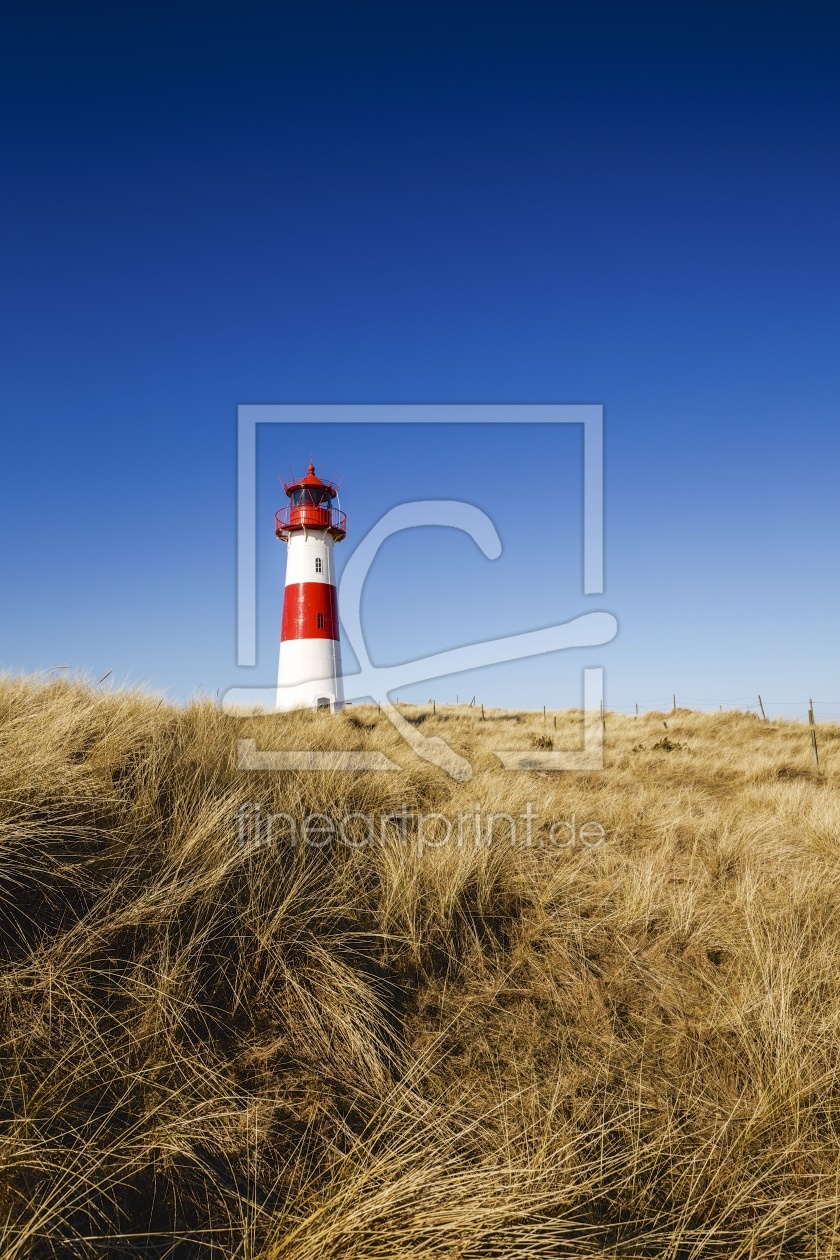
(310, 654)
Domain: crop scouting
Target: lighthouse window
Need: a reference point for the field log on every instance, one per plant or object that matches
(318, 565)
(320, 621)
(309, 496)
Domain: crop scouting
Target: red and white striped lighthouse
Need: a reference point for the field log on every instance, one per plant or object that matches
(310, 653)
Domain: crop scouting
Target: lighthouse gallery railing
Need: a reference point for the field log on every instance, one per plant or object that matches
(305, 516)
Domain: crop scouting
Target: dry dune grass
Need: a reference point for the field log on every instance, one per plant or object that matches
(386, 1051)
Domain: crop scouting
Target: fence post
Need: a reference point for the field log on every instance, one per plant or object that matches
(810, 713)
(814, 752)
(761, 706)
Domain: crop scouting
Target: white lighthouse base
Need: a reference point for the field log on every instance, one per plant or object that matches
(310, 675)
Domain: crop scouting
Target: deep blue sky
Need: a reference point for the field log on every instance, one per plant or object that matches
(634, 205)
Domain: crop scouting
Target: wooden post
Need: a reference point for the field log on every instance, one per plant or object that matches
(543, 715)
(434, 710)
(814, 752)
(810, 713)
(637, 708)
(555, 724)
(675, 704)
(761, 706)
(482, 713)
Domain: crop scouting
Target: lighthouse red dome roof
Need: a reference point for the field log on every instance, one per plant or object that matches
(311, 481)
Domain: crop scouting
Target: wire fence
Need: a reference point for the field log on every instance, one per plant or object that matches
(823, 710)
(807, 710)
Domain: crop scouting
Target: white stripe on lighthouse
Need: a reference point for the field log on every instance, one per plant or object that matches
(310, 670)
(304, 552)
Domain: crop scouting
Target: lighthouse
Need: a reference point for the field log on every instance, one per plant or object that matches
(310, 654)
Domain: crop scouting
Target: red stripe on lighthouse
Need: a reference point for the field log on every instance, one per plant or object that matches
(310, 611)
